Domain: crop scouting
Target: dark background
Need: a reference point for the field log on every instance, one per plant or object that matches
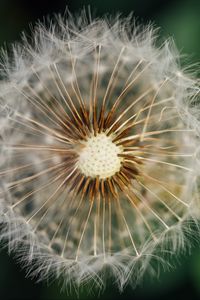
(177, 18)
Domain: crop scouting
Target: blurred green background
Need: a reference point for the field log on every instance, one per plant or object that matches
(177, 18)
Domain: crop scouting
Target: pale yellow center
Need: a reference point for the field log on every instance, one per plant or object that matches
(99, 157)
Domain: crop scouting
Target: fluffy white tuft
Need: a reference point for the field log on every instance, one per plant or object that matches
(51, 233)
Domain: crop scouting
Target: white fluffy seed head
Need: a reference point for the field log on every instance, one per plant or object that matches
(99, 135)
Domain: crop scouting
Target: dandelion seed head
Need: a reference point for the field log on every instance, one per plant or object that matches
(99, 151)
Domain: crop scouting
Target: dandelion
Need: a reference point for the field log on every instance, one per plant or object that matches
(99, 151)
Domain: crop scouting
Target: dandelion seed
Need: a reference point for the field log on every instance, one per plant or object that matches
(99, 159)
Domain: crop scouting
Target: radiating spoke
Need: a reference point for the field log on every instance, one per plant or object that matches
(164, 162)
(160, 183)
(52, 195)
(160, 200)
(127, 227)
(155, 214)
(84, 229)
(141, 216)
(150, 108)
